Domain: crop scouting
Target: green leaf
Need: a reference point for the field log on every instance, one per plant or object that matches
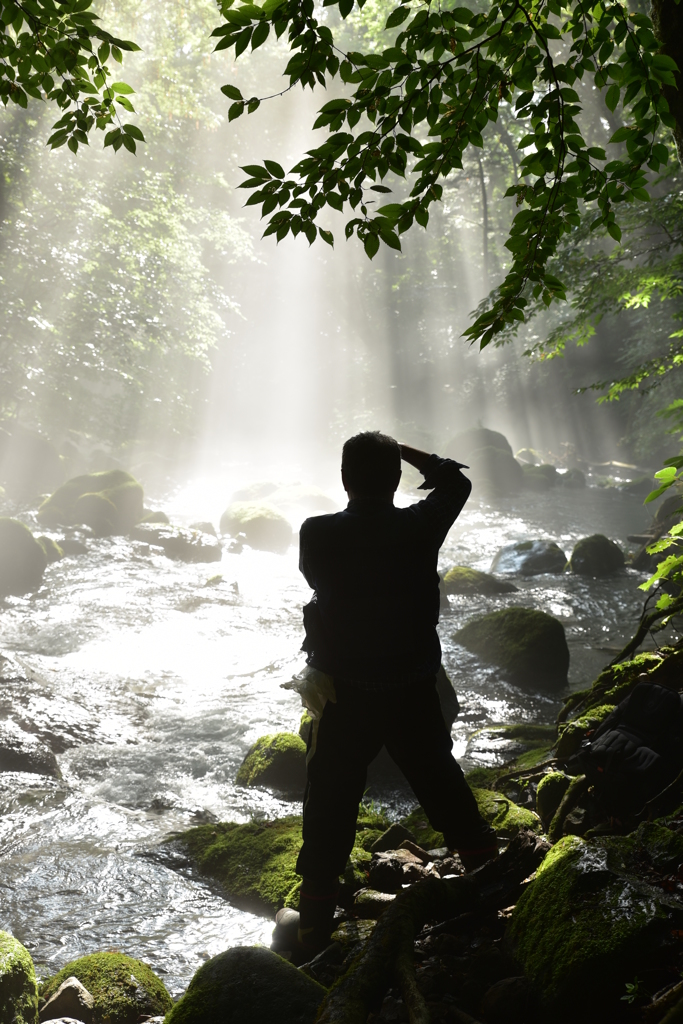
(397, 17)
(122, 88)
(134, 132)
(232, 92)
(274, 168)
(260, 35)
(256, 171)
(326, 236)
(371, 244)
(612, 97)
(236, 110)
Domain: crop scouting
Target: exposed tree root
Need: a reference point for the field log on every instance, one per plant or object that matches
(526, 773)
(578, 787)
(389, 951)
(418, 1012)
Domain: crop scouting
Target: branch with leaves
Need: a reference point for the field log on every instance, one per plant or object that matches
(431, 94)
(54, 50)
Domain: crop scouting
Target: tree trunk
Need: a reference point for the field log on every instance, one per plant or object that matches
(667, 18)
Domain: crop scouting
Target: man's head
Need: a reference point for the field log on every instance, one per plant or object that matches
(371, 465)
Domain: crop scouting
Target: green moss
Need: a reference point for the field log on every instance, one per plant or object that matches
(248, 985)
(572, 735)
(18, 988)
(583, 927)
(367, 837)
(505, 816)
(535, 479)
(123, 989)
(154, 517)
(52, 550)
(424, 834)
(549, 793)
(484, 778)
(596, 556)
(264, 527)
(530, 758)
(372, 815)
(357, 868)
(616, 682)
(305, 724)
(539, 735)
(530, 646)
(462, 580)
(108, 502)
(22, 558)
(277, 761)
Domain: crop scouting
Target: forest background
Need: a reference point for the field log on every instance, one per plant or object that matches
(133, 285)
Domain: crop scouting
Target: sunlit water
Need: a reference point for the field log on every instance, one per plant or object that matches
(152, 679)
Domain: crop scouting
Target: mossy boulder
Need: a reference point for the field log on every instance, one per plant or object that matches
(574, 479)
(248, 985)
(529, 646)
(462, 580)
(530, 558)
(108, 502)
(466, 443)
(276, 762)
(494, 472)
(549, 793)
(53, 551)
(534, 479)
(503, 814)
(123, 989)
(154, 516)
(596, 556)
(264, 527)
(616, 681)
(18, 988)
(22, 559)
(572, 734)
(587, 924)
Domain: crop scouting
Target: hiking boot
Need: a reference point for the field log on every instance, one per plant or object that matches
(285, 931)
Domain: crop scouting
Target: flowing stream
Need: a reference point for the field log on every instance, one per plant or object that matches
(151, 679)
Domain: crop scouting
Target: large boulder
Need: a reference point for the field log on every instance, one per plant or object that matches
(303, 496)
(539, 478)
(530, 558)
(22, 559)
(179, 543)
(263, 526)
(108, 502)
(18, 988)
(596, 556)
(124, 990)
(464, 444)
(29, 463)
(588, 924)
(248, 985)
(574, 479)
(494, 472)
(529, 646)
(276, 762)
(463, 580)
(22, 752)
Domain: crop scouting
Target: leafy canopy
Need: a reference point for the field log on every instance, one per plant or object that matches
(49, 50)
(429, 96)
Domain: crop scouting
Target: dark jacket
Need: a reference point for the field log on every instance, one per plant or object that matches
(373, 569)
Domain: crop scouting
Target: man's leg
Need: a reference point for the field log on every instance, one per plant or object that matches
(336, 775)
(417, 739)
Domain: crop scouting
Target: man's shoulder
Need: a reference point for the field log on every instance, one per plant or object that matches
(316, 526)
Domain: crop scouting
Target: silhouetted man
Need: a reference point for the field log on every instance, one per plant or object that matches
(371, 627)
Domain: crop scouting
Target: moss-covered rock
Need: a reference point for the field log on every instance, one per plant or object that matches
(264, 527)
(22, 558)
(549, 793)
(572, 735)
(108, 502)
(574, 479)
(53, 551)
(464, 444)
(154, 516)
(256, 862)
(506, 816)
(529, 646)
(534, 479)
(248, 985)
(462, 580)
(596, 556)
(616, 681)
(494, 472)
(123, 989)
(18, 988)
(276, 762)
(587, 924)
(530, 558)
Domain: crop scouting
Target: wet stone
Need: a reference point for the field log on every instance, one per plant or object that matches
(71, 999)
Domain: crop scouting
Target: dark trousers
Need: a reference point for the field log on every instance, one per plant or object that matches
(350, 734)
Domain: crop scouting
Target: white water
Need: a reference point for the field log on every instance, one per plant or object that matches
(152, 683)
